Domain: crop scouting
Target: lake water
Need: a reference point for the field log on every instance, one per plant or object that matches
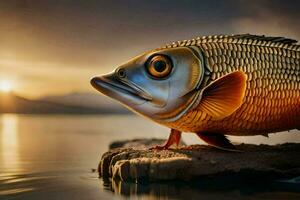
(52, 157)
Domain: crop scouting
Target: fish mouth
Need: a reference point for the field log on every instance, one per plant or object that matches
(113, 87)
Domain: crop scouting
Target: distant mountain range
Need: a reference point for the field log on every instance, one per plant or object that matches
(74, 103)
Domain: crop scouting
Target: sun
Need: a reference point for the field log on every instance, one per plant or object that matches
(5, 86)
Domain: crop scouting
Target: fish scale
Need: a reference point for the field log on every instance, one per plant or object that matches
(272, 97)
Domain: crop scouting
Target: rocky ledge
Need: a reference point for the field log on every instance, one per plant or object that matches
(133, 161)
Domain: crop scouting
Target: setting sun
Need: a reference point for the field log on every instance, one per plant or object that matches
(5, 86)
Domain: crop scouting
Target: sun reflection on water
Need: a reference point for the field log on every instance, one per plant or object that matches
(9, 142)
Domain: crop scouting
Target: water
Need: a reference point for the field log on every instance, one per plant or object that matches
(52, 157)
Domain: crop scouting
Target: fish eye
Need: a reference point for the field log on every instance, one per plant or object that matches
(159, 66)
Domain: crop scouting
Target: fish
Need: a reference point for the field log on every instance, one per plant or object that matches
(213, 86)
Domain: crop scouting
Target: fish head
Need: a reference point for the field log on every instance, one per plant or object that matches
(159, 84)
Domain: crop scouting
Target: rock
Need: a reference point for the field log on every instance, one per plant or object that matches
(199, 161)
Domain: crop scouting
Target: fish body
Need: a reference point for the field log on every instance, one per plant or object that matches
(272, 97)
(213, 86)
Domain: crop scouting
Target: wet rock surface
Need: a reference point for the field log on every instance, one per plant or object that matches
(133, 161)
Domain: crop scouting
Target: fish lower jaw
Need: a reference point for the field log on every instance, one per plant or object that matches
(117, 92)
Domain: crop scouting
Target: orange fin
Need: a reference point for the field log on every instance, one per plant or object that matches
(174, 138)
(224, 96)
(217, 140)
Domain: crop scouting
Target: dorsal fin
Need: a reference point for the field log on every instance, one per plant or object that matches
(265, 38)
(276, 41)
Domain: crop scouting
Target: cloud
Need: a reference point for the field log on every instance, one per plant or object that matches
(58, 45)
(38, 79)
(274, 19)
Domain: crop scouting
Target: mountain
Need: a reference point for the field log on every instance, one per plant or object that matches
(88, 100)
(11, 103)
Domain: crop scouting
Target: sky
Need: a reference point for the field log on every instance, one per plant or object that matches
(54, 47)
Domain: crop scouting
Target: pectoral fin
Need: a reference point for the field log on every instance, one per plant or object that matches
(224, 96)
